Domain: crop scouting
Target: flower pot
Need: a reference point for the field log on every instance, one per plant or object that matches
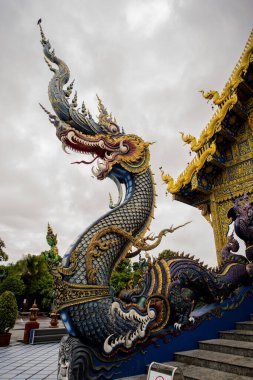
(5, 339)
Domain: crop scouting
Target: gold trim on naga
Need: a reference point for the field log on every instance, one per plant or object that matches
(152, 282)
(168, 277)
(160, 278)
(68, 294)
(227, 269)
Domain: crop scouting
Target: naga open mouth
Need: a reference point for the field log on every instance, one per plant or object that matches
(101, 150)
(140, 321)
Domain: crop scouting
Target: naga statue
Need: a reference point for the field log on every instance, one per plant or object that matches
(101, 325)
(242, 215)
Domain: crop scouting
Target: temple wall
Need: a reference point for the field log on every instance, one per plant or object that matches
(235, 179)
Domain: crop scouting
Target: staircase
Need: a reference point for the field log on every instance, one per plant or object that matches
(228, 358)
(47, 335)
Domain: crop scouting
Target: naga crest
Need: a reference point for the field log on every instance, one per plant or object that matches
(79, 132)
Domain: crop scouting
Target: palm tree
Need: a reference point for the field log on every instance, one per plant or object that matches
(3, 257)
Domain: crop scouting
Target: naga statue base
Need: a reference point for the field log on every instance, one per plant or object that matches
(78, 362)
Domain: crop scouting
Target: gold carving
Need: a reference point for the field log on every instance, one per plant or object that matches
(97, 247)
(73, 264)
(105, 119)
(225, 101)
(194, 167)
(205, 212)
(160, 278)
(168, 277)
(236, 175)
(236, 77)
(67, 294)
(213, 127)
(152, 282)
(234, 180)
(251, 121)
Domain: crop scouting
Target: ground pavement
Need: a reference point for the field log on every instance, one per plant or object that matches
(24, 361)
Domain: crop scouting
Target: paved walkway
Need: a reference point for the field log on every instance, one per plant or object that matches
(25, 361)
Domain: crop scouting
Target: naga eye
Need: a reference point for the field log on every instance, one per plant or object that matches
(114, 128)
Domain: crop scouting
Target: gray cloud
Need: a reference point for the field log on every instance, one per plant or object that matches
(147, 60)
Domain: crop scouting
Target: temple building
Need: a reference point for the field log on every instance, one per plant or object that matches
(223, 164)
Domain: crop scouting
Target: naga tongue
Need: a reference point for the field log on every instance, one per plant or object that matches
(85, 162)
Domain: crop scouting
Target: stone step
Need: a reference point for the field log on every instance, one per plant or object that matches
(217, 360)
(47, 339)
(226, 358)
(245, 325)
(137, 377)
(48, 335)
(227, 346)
(192, 372)
(243, 335)
(51, 331)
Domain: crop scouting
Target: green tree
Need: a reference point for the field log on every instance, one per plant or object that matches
(167, 254)
(8, 311)
(138, 268)
(37, 279)
(122, 275)
(41, 289)
(47, 292)
(14, 284)
(3, 257)
(30, 277)
(128, 273)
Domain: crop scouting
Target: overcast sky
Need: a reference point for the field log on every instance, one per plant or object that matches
(147, 60)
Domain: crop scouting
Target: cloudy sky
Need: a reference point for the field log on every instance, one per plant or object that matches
(147, 60)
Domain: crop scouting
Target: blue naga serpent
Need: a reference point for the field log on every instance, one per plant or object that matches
(82, 292)
(170, 287)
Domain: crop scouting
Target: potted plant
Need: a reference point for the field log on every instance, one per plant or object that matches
(8, 315)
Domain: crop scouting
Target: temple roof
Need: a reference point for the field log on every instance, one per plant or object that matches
(233, 108)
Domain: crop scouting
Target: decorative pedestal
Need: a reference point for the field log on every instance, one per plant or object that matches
(32, 323)
(28, 327)
(78, 362)
(54, 319)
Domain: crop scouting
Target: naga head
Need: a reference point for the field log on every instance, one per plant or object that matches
(232, 243)
(78, 131)
(242, 210)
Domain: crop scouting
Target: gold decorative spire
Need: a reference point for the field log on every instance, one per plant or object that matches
(104, 118)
